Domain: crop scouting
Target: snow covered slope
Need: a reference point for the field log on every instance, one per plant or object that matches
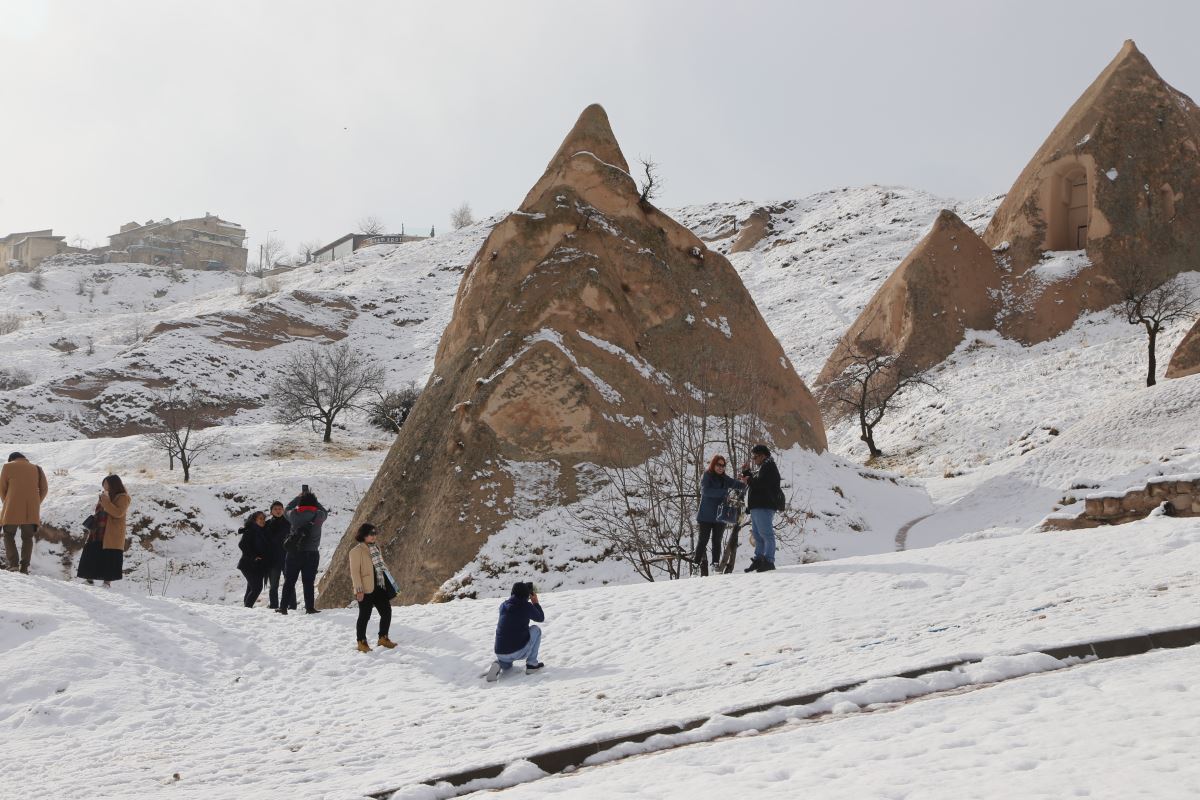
(119, 694)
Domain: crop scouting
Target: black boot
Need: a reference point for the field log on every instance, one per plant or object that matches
(754, 562)
(766, 566)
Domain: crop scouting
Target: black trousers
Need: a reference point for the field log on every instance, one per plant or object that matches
(378, 600)
(254, 587)
(717, 531)
(300, 565)
(273, 574)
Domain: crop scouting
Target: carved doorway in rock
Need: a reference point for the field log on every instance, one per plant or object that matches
(1069, 210)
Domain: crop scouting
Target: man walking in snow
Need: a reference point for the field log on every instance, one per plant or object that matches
(516, 639)
(23, 487)
(766, 497)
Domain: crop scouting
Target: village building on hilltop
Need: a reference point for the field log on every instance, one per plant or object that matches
(27, 249)
(208, 243)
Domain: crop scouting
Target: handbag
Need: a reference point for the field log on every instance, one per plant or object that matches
(727, 512)
(390, 587)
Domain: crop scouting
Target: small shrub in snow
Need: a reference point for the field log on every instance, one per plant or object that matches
(10, 322)
(14, 379)
(389, 410)
(36, 281)
(64, 345)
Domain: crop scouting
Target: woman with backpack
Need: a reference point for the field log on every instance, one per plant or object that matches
(103, 556)
(373, 587)
(715, 485)
(253, 563)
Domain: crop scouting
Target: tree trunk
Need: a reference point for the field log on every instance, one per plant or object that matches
(328, 430)
(187, 470)
(1152, 336)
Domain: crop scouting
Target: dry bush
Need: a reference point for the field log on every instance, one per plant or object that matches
(10, 322)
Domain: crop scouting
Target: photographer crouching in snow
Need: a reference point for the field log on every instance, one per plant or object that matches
(766, 497)
(516, 639)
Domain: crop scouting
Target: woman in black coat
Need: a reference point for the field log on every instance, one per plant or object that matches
(253, 563)
(277, 529)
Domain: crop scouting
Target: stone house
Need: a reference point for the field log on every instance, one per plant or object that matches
(207, 242)
(30, 248)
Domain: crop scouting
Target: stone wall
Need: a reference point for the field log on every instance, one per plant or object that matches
(1182, 496)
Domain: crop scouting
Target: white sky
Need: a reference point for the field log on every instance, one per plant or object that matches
(303, 116)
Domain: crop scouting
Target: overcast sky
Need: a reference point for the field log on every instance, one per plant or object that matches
(303, 116)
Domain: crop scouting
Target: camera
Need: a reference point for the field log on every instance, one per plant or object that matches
(304, 489)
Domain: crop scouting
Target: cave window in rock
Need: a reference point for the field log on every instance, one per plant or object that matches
(1070, 209)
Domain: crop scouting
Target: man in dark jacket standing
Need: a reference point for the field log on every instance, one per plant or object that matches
(306, 516)
(516, 639)
(278, 529)
(766, 497)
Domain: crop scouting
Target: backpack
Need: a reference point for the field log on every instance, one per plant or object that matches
(295, 539)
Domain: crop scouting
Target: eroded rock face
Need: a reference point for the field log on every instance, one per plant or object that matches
(1116, 183)
(586, 318)
(950, 282)
(1186, 358)
(1119, 177)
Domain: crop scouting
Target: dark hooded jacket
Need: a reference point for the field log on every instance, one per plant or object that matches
(253, 544)
(512, 631)
(766, 489)
(277, 529)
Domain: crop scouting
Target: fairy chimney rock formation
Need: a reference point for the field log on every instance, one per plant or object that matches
(1118, 178)
(1114, 186)
(586, 319)
(947, 284)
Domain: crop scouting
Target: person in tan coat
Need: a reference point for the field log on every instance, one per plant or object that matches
(372, 587)
(23, 487)
(103, 557)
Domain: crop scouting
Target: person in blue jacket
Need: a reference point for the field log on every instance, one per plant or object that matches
(714, 488)
(516, 639)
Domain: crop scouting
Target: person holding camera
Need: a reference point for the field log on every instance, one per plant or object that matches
(103, 555)
(303, 547)
(766, 497)
(373, 587)
(714, 489)
(516, 638)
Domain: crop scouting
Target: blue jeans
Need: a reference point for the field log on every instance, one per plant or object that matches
(762, 528)
(302, 565)
(529, 652)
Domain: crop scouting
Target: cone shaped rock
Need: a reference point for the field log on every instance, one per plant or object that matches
(586, 318)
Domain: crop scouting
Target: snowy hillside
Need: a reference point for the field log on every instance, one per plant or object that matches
(119, 694)
(1010, 422)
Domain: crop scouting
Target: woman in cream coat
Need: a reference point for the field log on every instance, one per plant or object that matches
(371, 582)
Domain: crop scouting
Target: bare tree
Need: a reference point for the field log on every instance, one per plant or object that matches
(652, 184)
(461, 217)
(1152, 299)
(270, 251)
(306, 249)
(871, 383)
(389, 410)
(371, 225)
(178, 435)
(318, 383)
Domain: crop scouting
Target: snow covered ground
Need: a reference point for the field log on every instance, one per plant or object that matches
(119, 694)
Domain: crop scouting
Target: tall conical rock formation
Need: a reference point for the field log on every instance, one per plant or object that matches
(1117, 180)
(1119, 177)
(950, 282)
(587, 317)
